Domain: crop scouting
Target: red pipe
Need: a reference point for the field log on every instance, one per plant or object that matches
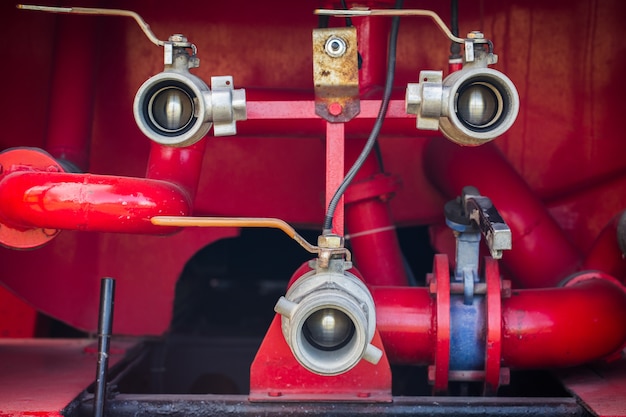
(180, 166)
(405, 319)
(563, 327)
(606, 254)
(373, 239)
(541, 328)
(373, 34)
(88, 202)
(536, 235)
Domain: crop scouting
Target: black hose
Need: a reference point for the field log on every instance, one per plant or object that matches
(380, 118)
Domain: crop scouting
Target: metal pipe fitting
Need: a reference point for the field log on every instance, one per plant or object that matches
(470, 107)
(176, 108)
(328, 321)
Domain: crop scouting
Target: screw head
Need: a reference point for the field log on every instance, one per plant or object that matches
(335, 46)
(335, 109)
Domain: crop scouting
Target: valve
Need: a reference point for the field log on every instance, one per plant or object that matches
(471, 106)
(328, 316)
(468, 216)
(469, 302)
(176, 108)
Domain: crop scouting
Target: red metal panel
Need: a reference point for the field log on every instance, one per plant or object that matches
(275, 375)
(42, 376)
(601, 388)
(17, 319)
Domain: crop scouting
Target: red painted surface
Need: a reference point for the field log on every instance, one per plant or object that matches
(42, 376)
(600, 387)
(439, 281)
(18, 319)
(493, 338)
(275, 375)
(335, 155)
(557, 176)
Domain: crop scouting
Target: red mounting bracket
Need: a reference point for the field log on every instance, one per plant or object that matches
(275, 375)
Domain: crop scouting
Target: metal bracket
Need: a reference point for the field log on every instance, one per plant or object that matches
(336, 74)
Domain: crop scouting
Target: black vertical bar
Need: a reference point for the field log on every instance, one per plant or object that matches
(105, 327)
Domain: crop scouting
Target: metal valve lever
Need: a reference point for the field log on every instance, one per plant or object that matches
(481, 211)
(469, 216)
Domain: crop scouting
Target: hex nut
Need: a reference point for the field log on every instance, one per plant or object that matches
(475, 35)
(330, 241)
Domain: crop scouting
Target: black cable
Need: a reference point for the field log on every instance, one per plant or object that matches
(348, 18)
(455, 48)
(454, 17)
(322, 21)
(380, 118)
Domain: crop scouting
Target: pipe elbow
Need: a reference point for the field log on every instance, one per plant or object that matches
(581, 322)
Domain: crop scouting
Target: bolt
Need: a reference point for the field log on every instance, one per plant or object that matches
(335, 47)
(335, 109)
(178, 38)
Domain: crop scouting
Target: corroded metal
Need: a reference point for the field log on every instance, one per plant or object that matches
(336, 74)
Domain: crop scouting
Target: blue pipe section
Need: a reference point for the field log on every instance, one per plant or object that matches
(467, 333)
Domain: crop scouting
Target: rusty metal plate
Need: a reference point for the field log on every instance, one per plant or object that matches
(336, 73)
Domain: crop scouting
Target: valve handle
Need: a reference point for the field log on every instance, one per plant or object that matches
(481, 211)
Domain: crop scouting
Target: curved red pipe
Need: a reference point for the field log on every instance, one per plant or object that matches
(58, 200)
(563, 327)
(536, 235)
(181, 166)
(605, 254)
(371, 230)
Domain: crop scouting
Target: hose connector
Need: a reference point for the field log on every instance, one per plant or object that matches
(329, 320)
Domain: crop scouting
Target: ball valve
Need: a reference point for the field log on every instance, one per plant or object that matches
(328, 317)
(471, 106)
(176, 108)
